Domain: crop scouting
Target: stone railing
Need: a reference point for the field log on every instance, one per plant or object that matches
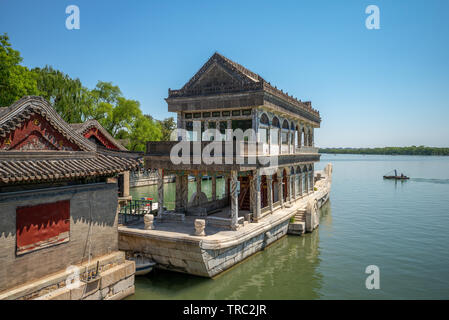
(163, 148)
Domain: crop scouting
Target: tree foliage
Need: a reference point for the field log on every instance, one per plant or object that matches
(67, 95)
(75, 103)
(16, 80)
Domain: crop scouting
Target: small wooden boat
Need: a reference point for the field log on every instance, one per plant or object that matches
(143, 264)
(396, 176)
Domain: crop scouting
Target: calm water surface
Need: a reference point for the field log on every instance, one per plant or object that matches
(401, 227)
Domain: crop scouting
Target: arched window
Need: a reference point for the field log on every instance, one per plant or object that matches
(275, 122)
(264, 120)
(285, 125)
(264, 129)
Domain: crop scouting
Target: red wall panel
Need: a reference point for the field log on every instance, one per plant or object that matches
(42, 225)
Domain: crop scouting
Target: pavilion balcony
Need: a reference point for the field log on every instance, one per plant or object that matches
(233, 155)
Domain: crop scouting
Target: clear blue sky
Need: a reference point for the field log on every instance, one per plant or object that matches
(387, 87)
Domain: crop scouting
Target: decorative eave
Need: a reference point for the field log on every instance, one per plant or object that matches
(13, 116)
(82, 128)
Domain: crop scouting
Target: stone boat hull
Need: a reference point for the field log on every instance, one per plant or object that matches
(177, 249)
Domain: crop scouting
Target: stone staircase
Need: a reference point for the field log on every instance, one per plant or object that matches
(298, 227)
(300, 215)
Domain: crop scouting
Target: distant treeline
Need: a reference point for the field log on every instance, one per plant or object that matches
(413, 150)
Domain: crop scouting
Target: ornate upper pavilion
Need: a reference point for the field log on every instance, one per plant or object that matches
(225, 96)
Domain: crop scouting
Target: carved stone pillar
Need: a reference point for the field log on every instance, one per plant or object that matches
(289, 187)
(280, 187)
(270, 192)
(229, 131)
(255, 192)
(280, 140)
(160, 191)
(234, 201)
(293, 184)
(181, 192)
(306, 182)
(217, 131)
(300, 184)
(311, 180)
(255, 121)
(181, 127)
(206, 127)
(225, 177)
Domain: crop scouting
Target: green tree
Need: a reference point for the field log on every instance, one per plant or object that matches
(167, 127)
(68, 96)
(16, 81)
(114, 112)
(143, 130)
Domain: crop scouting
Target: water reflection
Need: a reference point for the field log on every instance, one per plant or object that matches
(288, 269)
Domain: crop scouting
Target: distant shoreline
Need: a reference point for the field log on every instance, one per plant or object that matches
(406, 151)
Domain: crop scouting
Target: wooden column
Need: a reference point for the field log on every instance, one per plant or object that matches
(160, 191)
(214, 187)
(178, 195)
(198, 183)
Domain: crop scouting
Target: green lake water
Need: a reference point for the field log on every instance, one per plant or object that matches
(401, 227)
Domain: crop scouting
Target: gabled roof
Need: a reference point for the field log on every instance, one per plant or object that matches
(248, 81)
(13, 116)
(237, 70)
(37, 166)
(82, 128)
